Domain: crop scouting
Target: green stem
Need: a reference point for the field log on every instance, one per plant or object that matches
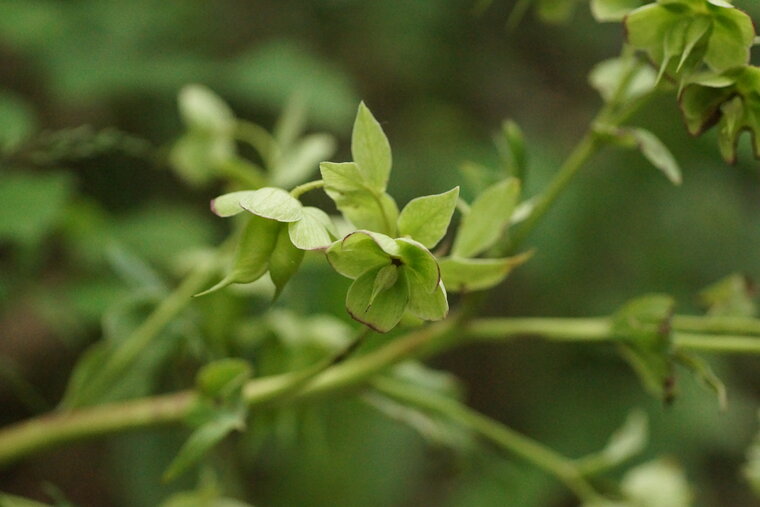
(717, 325)
(306, 187)
(502, 436)
(585, 149)
(690, 333)
(720, 344)
(331, 376)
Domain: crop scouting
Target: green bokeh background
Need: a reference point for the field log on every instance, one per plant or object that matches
(440, 79)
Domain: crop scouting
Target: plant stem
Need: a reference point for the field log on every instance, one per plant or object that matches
(583, 151)
(497, 433)
(720, 344)
(306, 187)
(46, 431)
(686, 329)
(36, 434)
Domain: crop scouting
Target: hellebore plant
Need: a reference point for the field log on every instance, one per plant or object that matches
(403, 262)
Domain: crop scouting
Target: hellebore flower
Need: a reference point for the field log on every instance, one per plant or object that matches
(390, 276)
(275, 237)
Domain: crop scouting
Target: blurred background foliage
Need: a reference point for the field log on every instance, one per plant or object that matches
(95, 228)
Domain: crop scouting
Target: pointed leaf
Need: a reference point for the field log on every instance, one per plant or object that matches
(488, 216)
(201, 441)
(477, 274)
(628, 441)
(426, 219)
(609, 76)
(285, 260)
(370, 149)
(202, 109)
(313, 231)
(228, 205)
(658, 154)
(385, 311)
(701, 369)
(274, 203)
(253, 251)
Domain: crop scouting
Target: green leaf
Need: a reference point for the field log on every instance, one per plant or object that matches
(255, 246)
(285, 260)
(356, 254)
(423, 303)
(732, 296)
(385, 311)
(201, 441)
(362, 205)
(707, 377)
(608, 76)
(512, 147)
(223, 378)
(659, 483)
(612, 10)
(488, 216)
(302, 160)
(628, 441)
(426, 219)
(313, 231)
(657, 153)
(642, 326)
(274, 203)
(370, 149)
(202, 109)
(228, 205)
(477, 274)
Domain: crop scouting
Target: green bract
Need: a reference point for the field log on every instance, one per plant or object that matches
(679, 35)
(309, 228)
(358, 187)
(426, 219)
(487, 219)
(731, 100)
(390, 276)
